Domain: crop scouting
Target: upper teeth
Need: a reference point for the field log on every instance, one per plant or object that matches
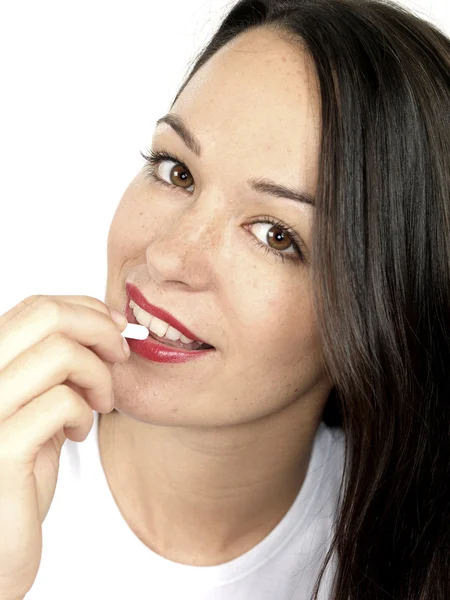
(156, 325)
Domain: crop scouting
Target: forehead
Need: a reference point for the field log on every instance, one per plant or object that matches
(258, 79)
(257, 97)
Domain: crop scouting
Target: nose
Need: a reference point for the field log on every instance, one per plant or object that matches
(184, 248)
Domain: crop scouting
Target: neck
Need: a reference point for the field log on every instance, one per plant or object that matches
(206, 495)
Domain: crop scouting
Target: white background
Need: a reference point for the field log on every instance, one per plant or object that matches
(82, 84)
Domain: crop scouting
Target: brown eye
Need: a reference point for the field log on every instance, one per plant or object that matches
(180, 176)
(169, 170)
(278, 238)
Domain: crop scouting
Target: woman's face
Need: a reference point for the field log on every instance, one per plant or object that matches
(201, 247)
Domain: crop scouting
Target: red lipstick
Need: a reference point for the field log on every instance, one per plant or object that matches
(135, 294)
(150, 348)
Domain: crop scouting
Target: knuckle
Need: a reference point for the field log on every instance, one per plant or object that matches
(30, 300)
(65, 347)
(94, 303)
(57, 338)
(67, 397)
(51, 309)
(33, 298)
(98, 303)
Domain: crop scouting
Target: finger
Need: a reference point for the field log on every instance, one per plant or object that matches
(89, 326)
(48, 364)
(23, 435)
(30, 301)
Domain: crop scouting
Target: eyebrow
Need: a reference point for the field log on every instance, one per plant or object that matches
(258, 184)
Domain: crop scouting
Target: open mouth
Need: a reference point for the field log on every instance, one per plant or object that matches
(179, 343)
(165, 341)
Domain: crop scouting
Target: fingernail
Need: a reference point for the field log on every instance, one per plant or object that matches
(126, 347)
(118, 317)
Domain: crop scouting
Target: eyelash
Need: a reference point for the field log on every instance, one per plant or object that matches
(154, 157)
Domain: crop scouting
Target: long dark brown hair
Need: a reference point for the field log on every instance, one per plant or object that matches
(381, 276)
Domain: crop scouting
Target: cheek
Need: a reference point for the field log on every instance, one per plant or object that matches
(284, 329)
(126, 236)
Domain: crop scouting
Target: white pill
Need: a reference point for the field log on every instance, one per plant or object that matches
(135, 332)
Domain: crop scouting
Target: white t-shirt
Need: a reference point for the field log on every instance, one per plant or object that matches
(90, 553)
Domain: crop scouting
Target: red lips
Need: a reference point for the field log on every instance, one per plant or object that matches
(136, 295)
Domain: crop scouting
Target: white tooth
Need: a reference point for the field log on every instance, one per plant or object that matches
(159, 327)
(185, 339)
(142, 317)
(173, 334)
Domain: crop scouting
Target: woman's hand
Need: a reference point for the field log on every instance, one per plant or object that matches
(55, 369)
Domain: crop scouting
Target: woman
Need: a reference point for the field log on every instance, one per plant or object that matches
(291, 222)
